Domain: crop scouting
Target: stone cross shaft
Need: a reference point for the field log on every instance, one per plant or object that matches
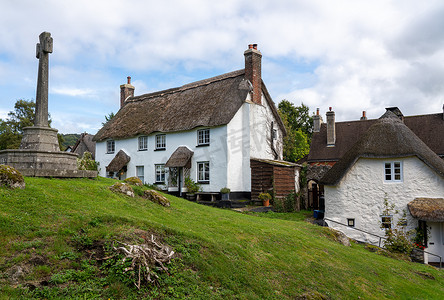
(41, 103)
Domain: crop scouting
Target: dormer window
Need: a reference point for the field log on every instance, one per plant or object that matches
(393, 171)
(203, 137)
(110, 146)
(160, 142)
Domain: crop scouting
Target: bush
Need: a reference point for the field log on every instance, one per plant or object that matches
(287, 204)
(87, 162)
(225, 190)
(192, 186)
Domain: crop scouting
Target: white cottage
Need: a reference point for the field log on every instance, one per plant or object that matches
(207, 130)
(387, 162)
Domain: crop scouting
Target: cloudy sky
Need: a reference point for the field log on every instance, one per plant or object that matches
(350, 55)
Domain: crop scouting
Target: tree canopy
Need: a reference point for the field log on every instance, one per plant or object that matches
(299, 124)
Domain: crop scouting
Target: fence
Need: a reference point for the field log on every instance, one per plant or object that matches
(380, 239)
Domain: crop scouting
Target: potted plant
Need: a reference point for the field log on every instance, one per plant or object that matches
(192, 188)
(225, 193)
(265, 198)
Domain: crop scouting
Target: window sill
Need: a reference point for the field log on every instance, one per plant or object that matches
(160, 149)
(109, 152)
(143, 149)
(202, 145)
(159, 182)
(203, 182)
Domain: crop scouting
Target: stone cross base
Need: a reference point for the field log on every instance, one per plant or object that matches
(37, 163)
(40, 139)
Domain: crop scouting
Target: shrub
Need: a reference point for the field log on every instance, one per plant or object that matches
(192, 186)
(225, 190)
(87, 162)
(286, 204)
(264, 196)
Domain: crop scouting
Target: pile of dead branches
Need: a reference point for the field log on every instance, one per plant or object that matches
(145, 258)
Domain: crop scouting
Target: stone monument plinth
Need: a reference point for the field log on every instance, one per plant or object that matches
(39, 154)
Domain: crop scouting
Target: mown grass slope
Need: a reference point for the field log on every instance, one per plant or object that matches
(54, 228)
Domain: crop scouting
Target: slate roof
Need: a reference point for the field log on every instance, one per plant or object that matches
(209, 102)
(388, 137)
(429, 128)
(427, 209)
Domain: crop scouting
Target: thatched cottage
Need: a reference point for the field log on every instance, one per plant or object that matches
(207, 130)
(388, 162)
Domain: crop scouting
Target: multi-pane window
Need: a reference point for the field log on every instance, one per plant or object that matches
(203, 171)
(140, 173)
(386, 222)
(160, 173)
(160, 142)
(203, 137)
(110, 146)
(143, 143)
(393, 171)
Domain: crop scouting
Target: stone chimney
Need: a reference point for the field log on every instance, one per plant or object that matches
(253, 59)
(126, 91)
(331, 130)
(317, 121)
(364, 117)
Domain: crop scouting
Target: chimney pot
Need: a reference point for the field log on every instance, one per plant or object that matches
(250, 46)
(317, 111)
(129, 79)
(329, 108)
(364, 117)
(255, 46)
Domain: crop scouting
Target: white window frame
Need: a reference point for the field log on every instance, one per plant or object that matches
(143, 143)
(203, 172)
(351, 222)
(160, 142)
(110, 146)
(203, 137)
(140, 173)
(393, 171)
(159, 170)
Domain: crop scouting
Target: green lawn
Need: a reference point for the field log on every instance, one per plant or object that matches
(55, 229)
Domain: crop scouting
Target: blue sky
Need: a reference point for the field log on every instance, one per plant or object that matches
(350, 55)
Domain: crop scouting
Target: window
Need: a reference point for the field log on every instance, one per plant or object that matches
(386, 222)
(143, 143)
(274, 134)
(203, 137)
(160, 173)
(393, 171)
(160, 142)
(110, 174)
(351, 222)
(110, 146)
(140, 173)
(203, 172)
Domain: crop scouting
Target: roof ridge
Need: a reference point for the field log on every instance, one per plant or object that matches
(187, 86)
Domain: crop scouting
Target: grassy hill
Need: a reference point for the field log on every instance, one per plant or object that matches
(54, 232)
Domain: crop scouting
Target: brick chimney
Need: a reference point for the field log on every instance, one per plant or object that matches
(364, 117)
(126, 91)
(331, 128)
(253, 59)
(317, 121)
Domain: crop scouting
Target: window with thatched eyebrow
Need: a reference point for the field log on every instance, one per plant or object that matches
(393, 171)
(160, 173)
(143, 143)
(110, 146)
(203, 137)
(160, 142)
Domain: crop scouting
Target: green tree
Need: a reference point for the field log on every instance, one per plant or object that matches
(298, 124)
(108, 118)
(11, 129)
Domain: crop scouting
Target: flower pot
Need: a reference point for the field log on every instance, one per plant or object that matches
(266, 202)
(225, 196)
(191, 197)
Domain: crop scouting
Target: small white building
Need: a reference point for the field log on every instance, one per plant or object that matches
(388, 162)
(206, 130)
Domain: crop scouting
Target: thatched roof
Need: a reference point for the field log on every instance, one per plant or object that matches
(427, 209)
(389, 137)
(85, 143)
(426, 127)
(119, 161)
(210, 102)
(180, 158)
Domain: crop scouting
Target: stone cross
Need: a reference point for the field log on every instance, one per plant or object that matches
(41, 103)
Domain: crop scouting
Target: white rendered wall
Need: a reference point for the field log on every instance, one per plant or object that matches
(361, 192)
(261, 118)
(238, 154)
(215, 153)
